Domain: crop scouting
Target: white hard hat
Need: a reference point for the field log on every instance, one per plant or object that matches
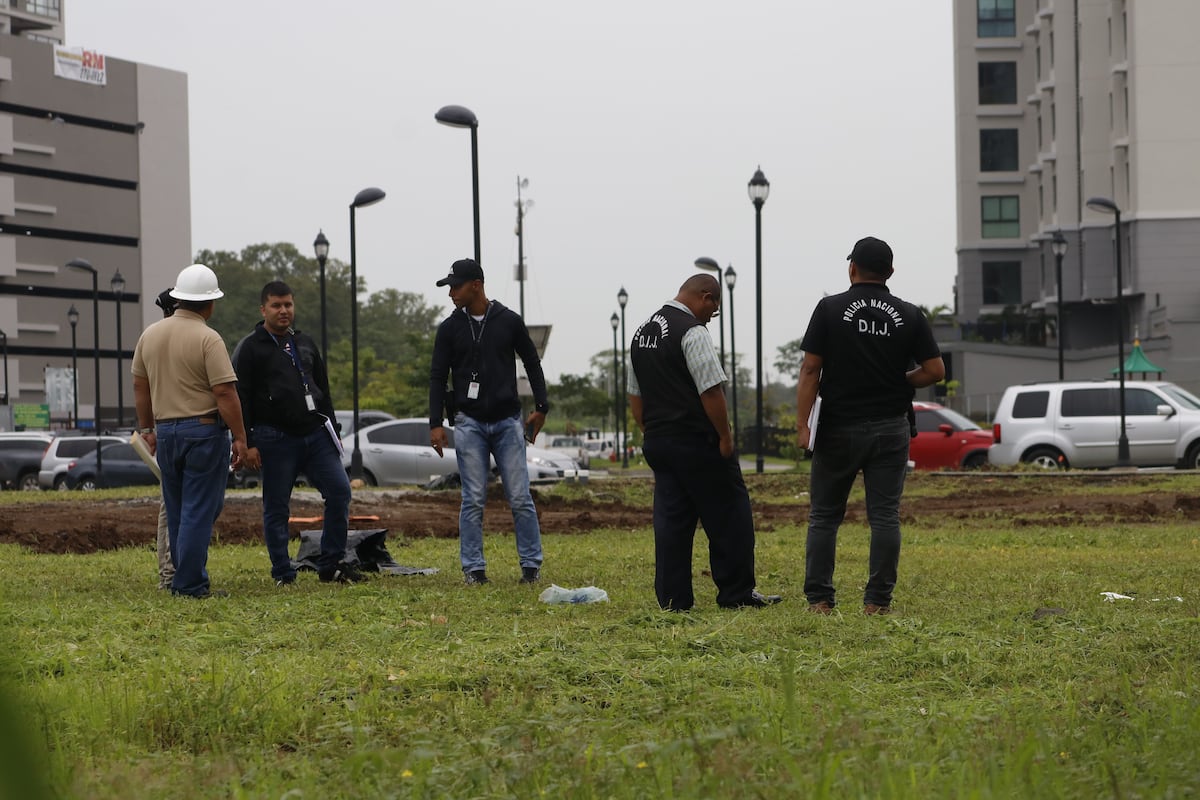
(196, 282)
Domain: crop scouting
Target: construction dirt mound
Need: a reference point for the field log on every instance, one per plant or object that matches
(78, 523)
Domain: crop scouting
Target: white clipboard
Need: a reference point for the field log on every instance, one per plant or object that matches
(814, 418)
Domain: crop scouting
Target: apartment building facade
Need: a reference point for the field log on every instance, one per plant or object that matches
(1058, 102)
(93, 167)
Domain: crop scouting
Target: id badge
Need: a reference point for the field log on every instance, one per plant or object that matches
(309, 403)
(473, 390)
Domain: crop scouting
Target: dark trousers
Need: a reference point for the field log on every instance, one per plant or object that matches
(880, 451)
(692, 481)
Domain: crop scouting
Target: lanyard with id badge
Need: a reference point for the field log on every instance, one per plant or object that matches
(473, 386)
(290, 348)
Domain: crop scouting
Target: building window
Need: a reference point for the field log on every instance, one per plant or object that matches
(1002, 283)
(44, 8)
(998, 150)
(997, 18)
(1001, 217)
(997, 83)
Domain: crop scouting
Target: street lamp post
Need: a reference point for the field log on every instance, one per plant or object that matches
(622, 299)
(321, 248)
(758, 189)
(85, 266)
(73, 318)
(1104, 205)
(730, 281)
(364, 198)
(460, 117)
(710, 265)
(616, 322)
(4, 336)
(117, 284)
(1058, 246)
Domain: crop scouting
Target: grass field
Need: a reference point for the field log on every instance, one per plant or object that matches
(421, 687)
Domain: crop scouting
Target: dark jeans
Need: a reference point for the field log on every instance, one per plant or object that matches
(880, 451)
(194, 459)
(284, 458)
(692, 481)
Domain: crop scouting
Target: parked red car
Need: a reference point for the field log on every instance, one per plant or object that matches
(947, 440)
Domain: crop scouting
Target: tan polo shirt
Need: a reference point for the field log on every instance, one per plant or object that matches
(182, 359)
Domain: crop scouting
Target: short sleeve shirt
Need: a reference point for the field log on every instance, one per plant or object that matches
(867, 339)
(698, 352)
(182, 359)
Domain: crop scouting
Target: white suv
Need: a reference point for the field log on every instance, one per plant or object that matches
(1077, 424)
(61, 451)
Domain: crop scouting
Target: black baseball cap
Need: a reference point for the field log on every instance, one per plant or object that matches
(873, 255)
(462, 271)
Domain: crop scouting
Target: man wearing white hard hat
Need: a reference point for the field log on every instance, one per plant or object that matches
(185, 391)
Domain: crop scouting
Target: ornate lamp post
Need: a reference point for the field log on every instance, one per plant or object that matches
(758, 188)
(522, 206)
(1104, 205)
(364, 198)
(321, 248)
(73, 318)
(616, 322)
(710, 265)
(85, 266)
(460, 117)
(117, 284)
(622, 299)
(730, 281)
(1058, 246)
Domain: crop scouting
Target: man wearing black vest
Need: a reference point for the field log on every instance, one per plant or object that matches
(677, 396)
(866, 350)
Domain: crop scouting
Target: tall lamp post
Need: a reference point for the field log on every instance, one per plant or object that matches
(1106, 206)
(364, 198)
(460, 117)
(4, 336)
(85, 266)
(117, 284)
(616, 322)
(622, 299)
(710, 265)
(730, 281)
(73, 318)
(321, 248)
(758, 189)
(1058, 246)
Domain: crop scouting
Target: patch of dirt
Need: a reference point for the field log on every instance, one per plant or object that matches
(80, 524)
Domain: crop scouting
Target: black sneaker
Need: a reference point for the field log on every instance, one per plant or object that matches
(341, 573)
(475, 576)
(286, 580)
(755, 600)
(530, 574)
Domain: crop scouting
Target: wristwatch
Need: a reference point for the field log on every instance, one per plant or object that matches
(144, 431)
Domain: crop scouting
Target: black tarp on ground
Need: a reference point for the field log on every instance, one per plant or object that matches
(364, 549)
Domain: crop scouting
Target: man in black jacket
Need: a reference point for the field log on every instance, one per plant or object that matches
(476, 345)
(292, 430)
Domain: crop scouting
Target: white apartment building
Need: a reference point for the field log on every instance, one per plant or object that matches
(1058, 102)
(94, 167)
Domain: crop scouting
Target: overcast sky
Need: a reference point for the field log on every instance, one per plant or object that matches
(638, 125)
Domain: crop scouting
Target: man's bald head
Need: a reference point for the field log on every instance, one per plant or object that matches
(701, 293)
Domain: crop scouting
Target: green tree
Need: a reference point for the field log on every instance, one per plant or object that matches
(577, 399)
(788, 357)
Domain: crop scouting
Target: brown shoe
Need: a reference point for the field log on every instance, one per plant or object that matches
(823, 607)
(871, 610)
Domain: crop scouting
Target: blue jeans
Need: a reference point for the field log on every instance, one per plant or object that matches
(284, 458)
(879, 450)
(474, 442)
(194, 459)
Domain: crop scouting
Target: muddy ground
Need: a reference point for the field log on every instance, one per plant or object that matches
(78, 523)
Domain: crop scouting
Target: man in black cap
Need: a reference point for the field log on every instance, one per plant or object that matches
(477, 347)
(865, 351)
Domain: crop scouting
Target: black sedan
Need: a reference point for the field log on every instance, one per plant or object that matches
(120, 466)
